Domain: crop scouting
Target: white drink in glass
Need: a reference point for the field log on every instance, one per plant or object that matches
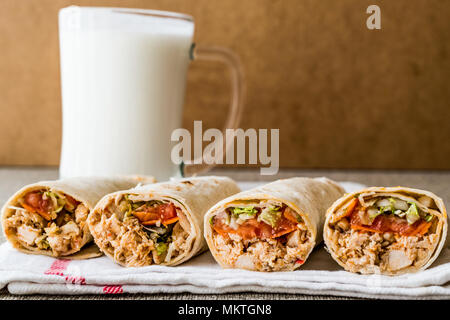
(123, 76)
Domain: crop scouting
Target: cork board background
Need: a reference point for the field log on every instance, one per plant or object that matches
(343, 96)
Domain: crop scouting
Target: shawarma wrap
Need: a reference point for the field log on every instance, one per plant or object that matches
(388, 231)
(270, 228)
(49, 217)
(160, 223)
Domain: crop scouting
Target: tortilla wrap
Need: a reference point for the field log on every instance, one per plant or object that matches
(386, 230)
(160, 223)
(23, 228)
(251, 243)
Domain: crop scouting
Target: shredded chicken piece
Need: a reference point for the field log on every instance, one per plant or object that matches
(179, 243)
(397, 259)
(70, 228)
(264, 255)
(28, 234)
(81, 214)
(59, 243)
(358, 250)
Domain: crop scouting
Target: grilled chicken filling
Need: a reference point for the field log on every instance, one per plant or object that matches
(140, 233)
(264, 236)
(48, 220)
(385, 233)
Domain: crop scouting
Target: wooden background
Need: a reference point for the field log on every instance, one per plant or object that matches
(343, 96)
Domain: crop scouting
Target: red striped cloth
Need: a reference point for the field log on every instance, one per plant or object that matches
(59, 267)
(113, 289)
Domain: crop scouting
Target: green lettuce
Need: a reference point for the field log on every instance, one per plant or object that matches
(161, 247)
(270, 216)
(57, 201)
(236, 211)
(412, 215)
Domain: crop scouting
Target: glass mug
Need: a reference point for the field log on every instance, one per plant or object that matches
(123, 78)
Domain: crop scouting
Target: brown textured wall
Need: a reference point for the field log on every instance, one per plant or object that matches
(342, 96)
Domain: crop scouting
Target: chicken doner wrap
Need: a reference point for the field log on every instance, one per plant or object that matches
(49, 217)
(270, 228)
(157, 224)
(387, 231)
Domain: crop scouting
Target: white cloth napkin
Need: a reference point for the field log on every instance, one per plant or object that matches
(29, 274)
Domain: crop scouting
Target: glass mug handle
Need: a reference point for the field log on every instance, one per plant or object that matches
(231, 60)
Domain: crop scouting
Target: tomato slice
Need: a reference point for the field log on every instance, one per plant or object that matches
(144, 216)
(252, 228)
(33, 202)
(283, 231)
(71, 203)
(43, 214)
(165, 213)
(248, 230)
(389, 223)
(290, 215)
